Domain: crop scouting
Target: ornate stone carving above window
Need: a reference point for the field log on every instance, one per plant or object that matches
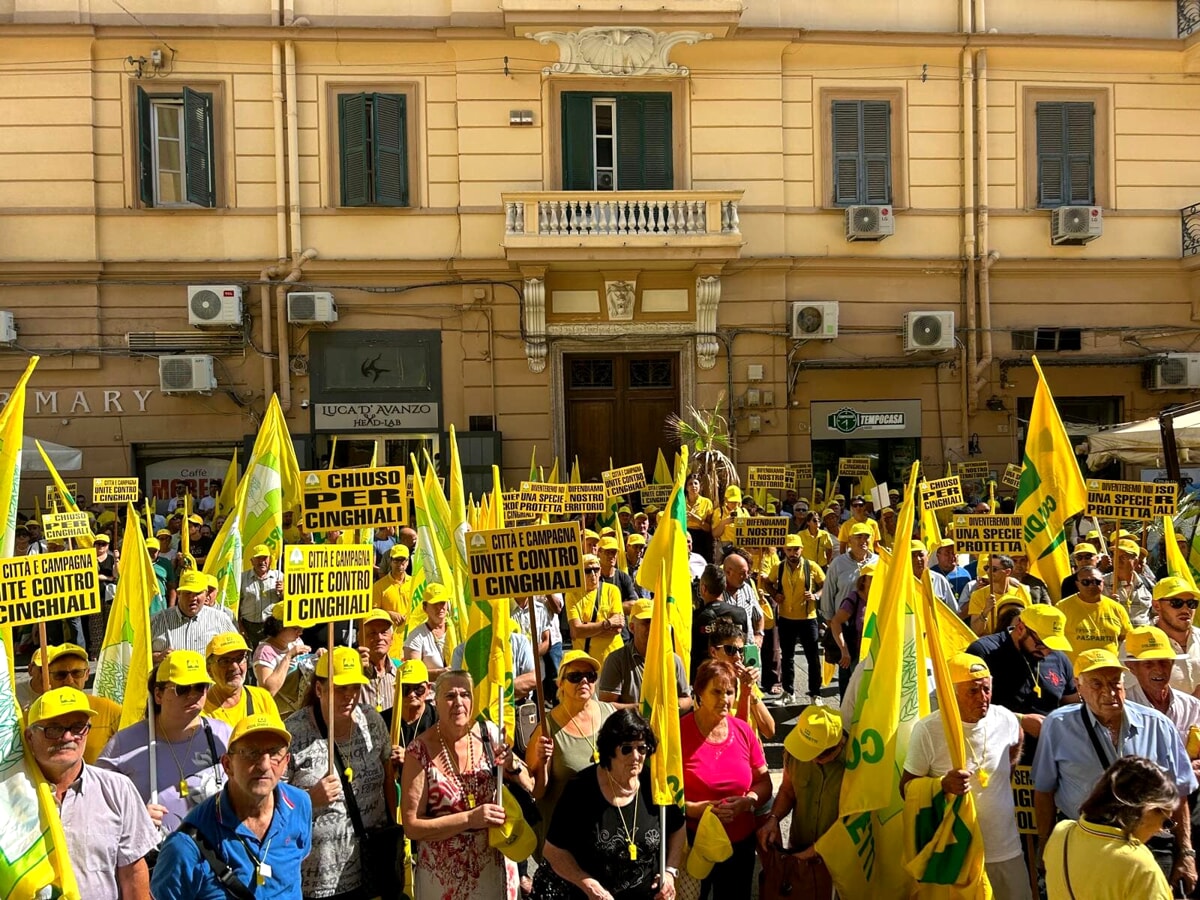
(622, 52)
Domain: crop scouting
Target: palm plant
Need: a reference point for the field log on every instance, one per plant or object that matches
(706, 433)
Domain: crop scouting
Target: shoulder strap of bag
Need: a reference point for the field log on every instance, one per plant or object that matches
(352, 809)
(1066, 867)
(1105, 762)
(220, 869)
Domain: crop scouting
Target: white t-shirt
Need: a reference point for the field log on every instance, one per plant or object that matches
(988, 742)
(422, 640)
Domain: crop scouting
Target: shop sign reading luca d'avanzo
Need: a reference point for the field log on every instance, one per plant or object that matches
(836, 420)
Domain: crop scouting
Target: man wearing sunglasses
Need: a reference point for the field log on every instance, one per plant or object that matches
(1094, 622)
(69, 668)
(107, 828)
(858, 515)
(1174, 606)
(1127, 585)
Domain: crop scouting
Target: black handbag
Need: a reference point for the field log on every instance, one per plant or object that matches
(833, 653)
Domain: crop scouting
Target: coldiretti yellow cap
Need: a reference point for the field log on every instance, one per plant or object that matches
(193, 581)
(183, 667)
(400, 551)
(435, 593)
(226, 642)
(413, 671)
(1172, 586)
(58, 651)
(733, 492)
(195, 520)
(1083, 549)
(967, 667)
(1130, 547)
(377, 615)
(609, 543)
(1091, 660)
(860, 528)
(590, 535)
(260, 550)
(1145, 642)
(1047, 623)
(792, 540)
(636, 540)
(259, 723)
(915, 546)
(642, 609)
(347, 667)
(58, 702)
(577, 656)
(819, 729)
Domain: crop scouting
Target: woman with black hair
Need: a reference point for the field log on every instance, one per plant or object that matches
(1104, 855)
(606, 834)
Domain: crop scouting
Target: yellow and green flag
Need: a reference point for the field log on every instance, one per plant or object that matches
(1051, 490)
(660, 701)
(69, 504)
(662, 475)
(224, 561)
(1176, 564)
(270, 484)
(229, 490)
(12, 435)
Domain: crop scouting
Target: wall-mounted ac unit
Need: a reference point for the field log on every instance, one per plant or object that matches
(8, 327)
(1175, 372)
(869, 223)
(929, 330)
(186, 374)
(1076, 224)
(814, 320)
(311, 308)
(214, 305)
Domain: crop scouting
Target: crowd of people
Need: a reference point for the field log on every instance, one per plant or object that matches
(271, 766)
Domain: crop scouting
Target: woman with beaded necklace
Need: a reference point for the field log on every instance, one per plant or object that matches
(448, 799)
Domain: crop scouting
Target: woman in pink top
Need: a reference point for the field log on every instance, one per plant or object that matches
(723, 768)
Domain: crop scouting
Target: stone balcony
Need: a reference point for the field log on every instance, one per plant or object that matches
(565, 225)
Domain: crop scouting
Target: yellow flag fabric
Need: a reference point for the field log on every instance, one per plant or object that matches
(1176, 564)
(662, 475)
(125, 653)
(931, 531)
(575, 479)
(1051, 490)
(224, 560)
(69, 504)
(863, 849)
(12, 434)
(660, 702)
(430, 565)
(229, 490)
(270, 484)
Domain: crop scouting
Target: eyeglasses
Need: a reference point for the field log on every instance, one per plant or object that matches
(251, 755)
(232, 659)
(1088, 582)
(187, 690)
(1180, 604)
(857, 504)
(418, 689)
(578, 677)
(639, 749)
(732, 649)
(58, 732)
(69, 674)
(591, 570)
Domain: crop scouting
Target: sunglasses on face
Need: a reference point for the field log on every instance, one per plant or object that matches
(418, 689)
(69, 674)
(591, 570)
(639, 749)
(187, 690)
(1180, 604)
(732, 649)
(579, 677)
(58, 732)
(1089, 582)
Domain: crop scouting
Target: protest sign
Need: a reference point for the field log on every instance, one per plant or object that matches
(758, 532)
(327, 582)
(1131, 499)
(54, 500)
(800, 472)
(115, 490)
(854, 466)
(1011, 477)
(48, 586)
(342, 499)
(521, 562)
(656, 495)
(989, 534)
(624, 481)
(975, 470)
(62, 526)
(945, 493)
(586, 498)
(542, 499)
(768, 478)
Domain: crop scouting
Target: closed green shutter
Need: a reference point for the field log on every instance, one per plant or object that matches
(145, 148)
(578, 163)
(198, 146)
(1066, 153)
(862, 152)
(389, 150)
(644, 160)
(352, 138)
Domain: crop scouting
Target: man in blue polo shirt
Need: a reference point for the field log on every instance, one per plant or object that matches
(255, 833)
(1079, 742)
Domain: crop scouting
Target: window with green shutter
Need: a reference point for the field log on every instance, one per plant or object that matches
(175, 149)
(617, 142)
(373, 149)
(862, 152)
(1066, 153)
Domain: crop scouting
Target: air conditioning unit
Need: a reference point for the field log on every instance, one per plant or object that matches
(815, 320)
(214, 305)
(8, 328)
(1076, 224)
(1175, 372)
(311, 308)
(187, 374)
(869, 223)
(929, 330)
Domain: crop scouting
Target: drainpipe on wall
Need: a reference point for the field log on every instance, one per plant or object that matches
(966, 376)
(272, 272)
(987, 256)
(285, 365)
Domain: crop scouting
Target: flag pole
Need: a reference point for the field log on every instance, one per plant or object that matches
(329, 692)
(535, 636)
(152, 748)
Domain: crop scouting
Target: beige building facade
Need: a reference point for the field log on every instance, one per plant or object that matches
(552, 223)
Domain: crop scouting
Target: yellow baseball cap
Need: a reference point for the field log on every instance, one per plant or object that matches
(1145, 642)
(819, 730)
(58, 702)
(210, 581)
(792, 540)
(195, 520)
(642, 609)
(347, 667)
(626, 510)
(710, 846)
(58, 651)
(590, 535)
(609, 543)
(183, 667)
(607, 532)
(1172, 586)
(1083, 549)
(101, 538)
(260, 550)
(915, 546)
(193, 581)
(733, 492)
(1049, 624)
(514, 839)
(435, 593)
(636, 540)
(163, 532)
(967, 667)
(400, 551)
(1091, 660)
(1130, 547)
(860, 528)
(413, 671)
(259, 723)
(226, 642)
(577, 656)
(377, 615)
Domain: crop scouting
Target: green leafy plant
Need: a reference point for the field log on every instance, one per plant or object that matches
(706, 433)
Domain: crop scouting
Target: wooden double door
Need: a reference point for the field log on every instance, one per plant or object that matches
(617, 407)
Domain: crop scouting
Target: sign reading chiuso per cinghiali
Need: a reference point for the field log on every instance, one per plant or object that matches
(837, 420)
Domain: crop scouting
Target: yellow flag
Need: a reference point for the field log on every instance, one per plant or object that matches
(1176, 564)
(575, 479)
(1051, 490)
(270, 484)
(660, 701)
(229, 489)
(69, 504)
(12, 434)
(662, 475)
